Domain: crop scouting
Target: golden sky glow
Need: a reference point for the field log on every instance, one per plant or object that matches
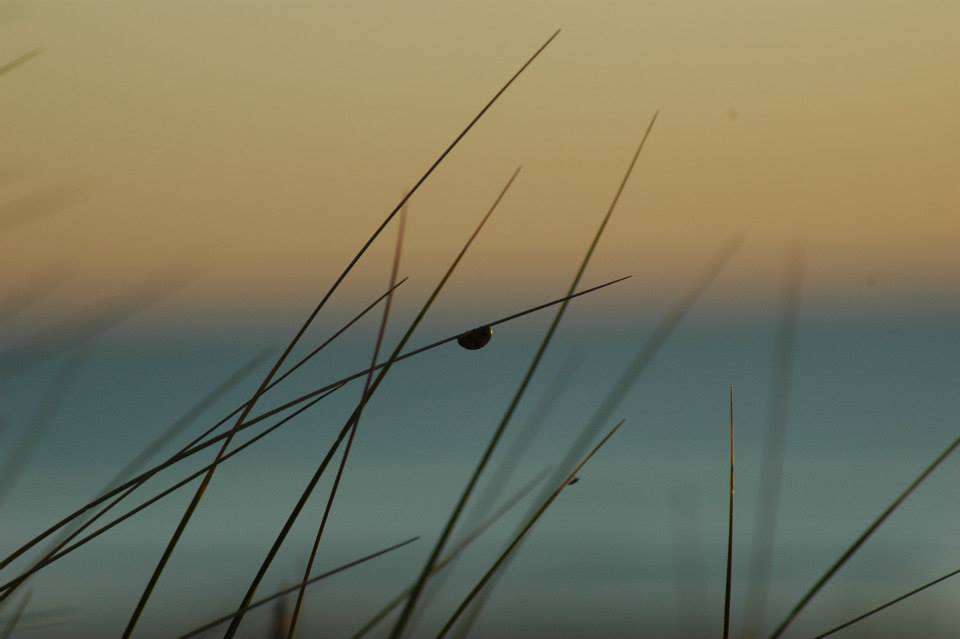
(261, 142)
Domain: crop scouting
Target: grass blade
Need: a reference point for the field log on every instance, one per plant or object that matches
(510, 462)
(310, 398)
(896, 600)
(394, 268)
(530, 523)
(726, 589)
(90, 537)
(184, 452)
(306, 582)
(15, 620)
(661, 333)
(80, 330)
(864, 536)
(149, 451)
(305, 495)
(18, 62)
(454, 552)
(770, 485)
(47, 411)
(501, 428)
(191, 508)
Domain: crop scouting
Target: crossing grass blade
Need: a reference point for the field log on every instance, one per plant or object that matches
(311, 484)
(394, 268)
(305, 401)
(15, 620)
(770, 484)
(192, 447)
(568, 481)
(864, 536)
(201, 490)
(306, 582)
(890, 603)
(511, 461)
(193, 413)
(456, 551)
(662, 332)
(425, 572)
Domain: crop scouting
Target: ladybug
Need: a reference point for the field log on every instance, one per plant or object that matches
(476, 338)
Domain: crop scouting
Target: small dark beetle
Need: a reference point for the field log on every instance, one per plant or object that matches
(476, 338)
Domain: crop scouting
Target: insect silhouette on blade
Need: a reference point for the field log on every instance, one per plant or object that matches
(476, 338)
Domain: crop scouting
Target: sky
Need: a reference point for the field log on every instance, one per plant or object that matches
(257, 145)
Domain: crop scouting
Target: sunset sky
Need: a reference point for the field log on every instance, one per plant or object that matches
(258, 144)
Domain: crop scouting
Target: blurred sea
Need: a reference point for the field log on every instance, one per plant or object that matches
(635, 549)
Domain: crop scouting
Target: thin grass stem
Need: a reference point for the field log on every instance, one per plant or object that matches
(454, 552)
(896, 600)
(308, 397)
(732, 486)
(425, 572)
(307, 582)
(661, 334)
(394, 268)
(523, 532)
(19, 62)
(311, 484)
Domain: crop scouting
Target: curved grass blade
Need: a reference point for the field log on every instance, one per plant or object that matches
(15, 620)
(729, 574)
(778, 403)
(455, 551)
(19, 62)
(203, 486)
(307, 582)
(425, 572)
(864, 536)
(149, 451)
(47, 411)
(896, 600)
(80, 330)
(308, 489)
(394, 268)
(183, 482)
(661, 333)
(191, 448)
(308, 397)
(568, 480)
(511, 461)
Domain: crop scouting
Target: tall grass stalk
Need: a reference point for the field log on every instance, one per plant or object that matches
(394, 268)
(425, 572)
(306, 582)
(662, 332)
(310, 398)
(308, 490)
(568, 480)
(731, 489)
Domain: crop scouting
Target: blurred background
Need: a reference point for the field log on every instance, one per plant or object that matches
(181, 182)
